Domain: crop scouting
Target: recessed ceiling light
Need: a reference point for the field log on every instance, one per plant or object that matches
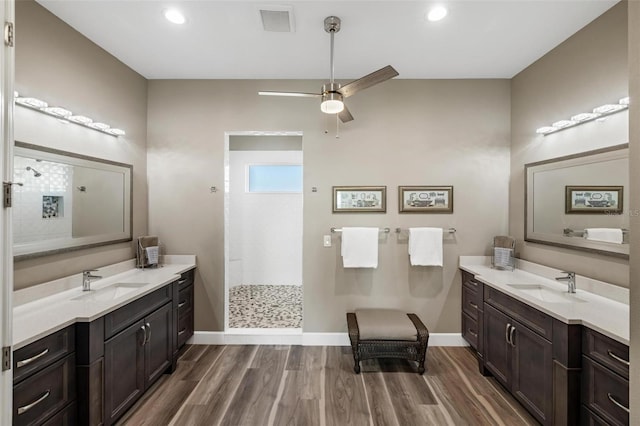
(437, 13)
(174, 16)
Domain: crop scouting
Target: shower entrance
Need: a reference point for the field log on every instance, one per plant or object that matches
(263, 232)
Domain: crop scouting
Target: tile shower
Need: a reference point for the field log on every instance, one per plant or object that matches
(41, 204)
(265, 241)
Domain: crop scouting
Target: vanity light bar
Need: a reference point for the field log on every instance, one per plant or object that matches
(65, 115)
(597, 114)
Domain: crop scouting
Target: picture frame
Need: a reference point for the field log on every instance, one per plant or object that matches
(359, 199)
(581, 199)
(425, 199)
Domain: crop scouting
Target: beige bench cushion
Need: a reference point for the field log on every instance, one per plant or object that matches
(385, 324)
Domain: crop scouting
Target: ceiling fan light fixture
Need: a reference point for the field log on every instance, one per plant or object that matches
(332, 103)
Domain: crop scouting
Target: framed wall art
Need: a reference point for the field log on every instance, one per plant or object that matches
(593, 199)
(359, 199)
(425, 199)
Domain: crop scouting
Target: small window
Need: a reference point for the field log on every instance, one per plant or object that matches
(275, 178)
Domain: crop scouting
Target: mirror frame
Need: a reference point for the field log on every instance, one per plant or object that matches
(46, 248)
(608, 153)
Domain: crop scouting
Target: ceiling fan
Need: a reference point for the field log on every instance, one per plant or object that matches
(332, 93)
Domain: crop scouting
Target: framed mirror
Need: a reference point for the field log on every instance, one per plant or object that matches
(580, 201)
(64, 201)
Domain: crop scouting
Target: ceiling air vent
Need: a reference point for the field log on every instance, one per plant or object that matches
(277, 18)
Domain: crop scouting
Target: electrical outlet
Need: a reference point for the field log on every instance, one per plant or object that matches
(327, 240)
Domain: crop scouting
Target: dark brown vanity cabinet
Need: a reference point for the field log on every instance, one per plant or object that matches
(44, 389)
(605, 380)
(135, 358)
(521, 360)
(534, 356)
(185, 317)
(472, 312)
(121, 354)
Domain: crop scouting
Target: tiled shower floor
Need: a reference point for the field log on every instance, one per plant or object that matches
(265, 306)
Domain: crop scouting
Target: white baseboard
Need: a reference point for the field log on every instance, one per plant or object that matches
(301, 338)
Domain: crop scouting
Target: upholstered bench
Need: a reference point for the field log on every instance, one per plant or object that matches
(387, 333)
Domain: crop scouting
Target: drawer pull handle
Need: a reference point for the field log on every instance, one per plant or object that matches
(617, 358)
(473, 283)
(144, 340)
(473, 305)
(472, 333)
(613, 399)
(33, 358)
(148, 326)
(182, 281)
(513, 329)
(181, 304)
(506, 333)
(24, 409)
(182, 331)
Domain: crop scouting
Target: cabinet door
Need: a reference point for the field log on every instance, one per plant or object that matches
(497, 352)
(158, 349)
(532, 372)
(123, 370)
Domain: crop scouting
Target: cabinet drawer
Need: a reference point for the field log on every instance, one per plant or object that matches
(605, 392)
(43, 394)
(186, 279)
(43, 352)
(588, 418)
(607, 351)
(471, 302)
(67, 417)
(470, 330)
(532, 318)
(120, 319)
(185, 328)
(185, 300)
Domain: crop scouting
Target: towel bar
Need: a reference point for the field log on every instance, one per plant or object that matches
(568, 232)
(450, 230)
(385, 230)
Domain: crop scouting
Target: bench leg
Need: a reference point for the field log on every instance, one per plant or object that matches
(356, 361)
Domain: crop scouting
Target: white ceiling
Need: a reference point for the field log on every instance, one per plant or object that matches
(224, 39)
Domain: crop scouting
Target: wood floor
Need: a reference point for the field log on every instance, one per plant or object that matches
(313, 385)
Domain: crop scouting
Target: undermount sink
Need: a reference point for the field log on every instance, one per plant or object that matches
(111, 292)
(547, 294)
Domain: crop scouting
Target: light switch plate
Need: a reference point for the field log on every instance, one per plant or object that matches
(327, 241)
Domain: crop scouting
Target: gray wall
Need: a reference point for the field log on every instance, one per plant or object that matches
(59, 65)
(634, 160)
(406, 132)
(587, 70)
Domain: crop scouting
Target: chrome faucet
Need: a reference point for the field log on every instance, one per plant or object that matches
(87, 277)
(570, 279)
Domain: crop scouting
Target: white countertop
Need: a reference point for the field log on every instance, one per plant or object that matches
(605, 315)
(38, 318)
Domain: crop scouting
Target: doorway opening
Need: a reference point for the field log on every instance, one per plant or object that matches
(263, 231)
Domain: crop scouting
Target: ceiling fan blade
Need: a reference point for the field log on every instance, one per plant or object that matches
(295, 94)
(369, 80)
(345, 115)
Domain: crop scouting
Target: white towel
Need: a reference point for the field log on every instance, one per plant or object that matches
(360, 247)
(152, 255)
(608, 235)
(502, 257)
(425, 246)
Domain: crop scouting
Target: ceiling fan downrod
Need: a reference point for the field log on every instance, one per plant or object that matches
(332, 26)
